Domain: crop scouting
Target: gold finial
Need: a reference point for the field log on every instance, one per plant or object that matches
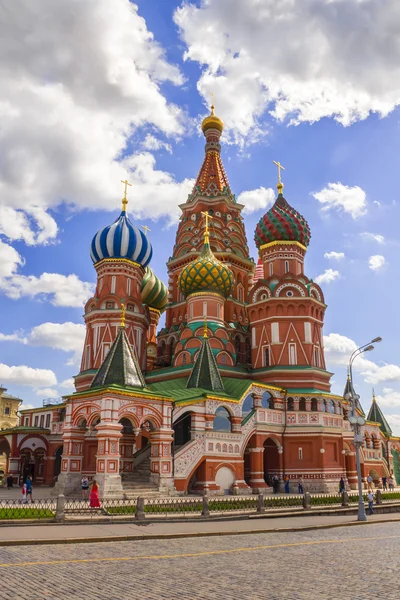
(280, 184)
(125, 198)
(123, 310)
(206, 232)
(205, 334)
(348, 374)
(373, 395)
(146, 229)
(212, 104)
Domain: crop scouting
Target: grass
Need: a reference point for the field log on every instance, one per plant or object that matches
(26, 513)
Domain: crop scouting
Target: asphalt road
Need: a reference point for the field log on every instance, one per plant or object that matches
(353, 563)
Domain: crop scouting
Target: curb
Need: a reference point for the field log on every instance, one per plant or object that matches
(172, 536)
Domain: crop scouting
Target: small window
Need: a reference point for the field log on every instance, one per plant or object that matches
(266, 357)
(6, 410)
(314, 405)
(128, 286)
(300, 453)
(26, 422)
(223, 359)
(109, 304)
(48, 420)
(222, 421)
(292, 354)
(286, 266)
(275, 332)
(113, 284)
(184, 359)
(240, 294)
(302, 404)
(316, 357)
(218, 311)
(204, 309)
(290, 404)
(36, 420)
(130, 307)
(271, 269)
(41, 420)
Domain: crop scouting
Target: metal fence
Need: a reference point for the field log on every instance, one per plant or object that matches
(70, 509)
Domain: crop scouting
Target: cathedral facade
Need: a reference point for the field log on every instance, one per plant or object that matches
(231, 391)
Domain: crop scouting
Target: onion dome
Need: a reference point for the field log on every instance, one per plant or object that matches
(154, 291)
(282, 223)
(206, 274)
(212, 122)
(121, 240)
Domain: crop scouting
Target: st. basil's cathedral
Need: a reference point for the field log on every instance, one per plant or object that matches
(230, 392)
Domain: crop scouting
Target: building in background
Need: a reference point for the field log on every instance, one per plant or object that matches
(230, 392)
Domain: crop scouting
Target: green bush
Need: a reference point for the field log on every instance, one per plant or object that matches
(25, 513)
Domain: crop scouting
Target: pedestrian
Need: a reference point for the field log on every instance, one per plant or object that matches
(85, 487)
(391, 483)
(370, 497)
(275, 483)
(9, 481)
(29, 489)
(287, 484)
(369, 482)
(342, 486)
(94, 495)
(384, 483)
(23, 491)
(301, 485)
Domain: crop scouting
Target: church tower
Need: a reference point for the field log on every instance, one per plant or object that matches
(121, 254)
(228, 244)
(286, 308)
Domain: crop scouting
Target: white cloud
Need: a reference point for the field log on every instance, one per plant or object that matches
(23, 375)
(258, 199)
(375, 237)
(10, 260)
(68, 337)
(60, 290)
(376, 262)
(334, 255)
(351, 200)
(67, 384)
(338, 349)
(47, 393)
(327, 276)
(80, 80)
(150, 142)
(296, 61)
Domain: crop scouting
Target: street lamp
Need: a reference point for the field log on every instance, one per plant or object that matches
(357, 422)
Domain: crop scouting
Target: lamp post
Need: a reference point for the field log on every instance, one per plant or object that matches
(357, 422)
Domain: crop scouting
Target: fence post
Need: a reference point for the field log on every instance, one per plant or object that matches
(345, 499)
(307, 501)
(206, 507)
(60, 508)
(260, 504)
(378, 497)
(140, 515)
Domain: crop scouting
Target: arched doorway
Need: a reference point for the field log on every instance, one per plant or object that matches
(127, 445)
(57, 462)
(182, 430)
(271, 460)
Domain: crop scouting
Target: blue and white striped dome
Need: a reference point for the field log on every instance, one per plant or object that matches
(121, 240)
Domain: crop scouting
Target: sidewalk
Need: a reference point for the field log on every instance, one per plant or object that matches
(64, 534)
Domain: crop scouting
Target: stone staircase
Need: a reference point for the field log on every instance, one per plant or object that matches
(138, 483)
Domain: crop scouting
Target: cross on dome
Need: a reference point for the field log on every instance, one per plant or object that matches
(125, 198)
(280, 184)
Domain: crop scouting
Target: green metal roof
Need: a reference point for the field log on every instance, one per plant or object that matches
(205, 372)
(376, 415)
(234, 389)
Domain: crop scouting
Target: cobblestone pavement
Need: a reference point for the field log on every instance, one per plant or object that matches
(357, 563)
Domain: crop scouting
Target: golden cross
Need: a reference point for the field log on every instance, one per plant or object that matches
(146, 229)
(212, 103)
(205, 334)
(123, 310)
(278, 164)
(206, 232)
(125, 198)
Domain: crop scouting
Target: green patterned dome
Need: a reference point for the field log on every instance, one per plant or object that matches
(206, 273)
(154, 291)
(282, 223)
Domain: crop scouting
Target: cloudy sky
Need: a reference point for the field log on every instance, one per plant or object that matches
(100, 90)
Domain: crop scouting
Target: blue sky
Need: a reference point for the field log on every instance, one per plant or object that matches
(320, 95)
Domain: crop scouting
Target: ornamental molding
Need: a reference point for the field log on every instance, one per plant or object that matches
(261, 290)
(187, 459)
(291, 285)
(314, 289)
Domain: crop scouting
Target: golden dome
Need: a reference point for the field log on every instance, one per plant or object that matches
(206, 274)
(212, 122)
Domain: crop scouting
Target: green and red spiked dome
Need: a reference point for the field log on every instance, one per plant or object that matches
(282, 223)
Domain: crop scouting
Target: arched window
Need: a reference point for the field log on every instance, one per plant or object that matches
(302, 404)
(222, 420)
(314, 404)
(323, 406)
(223, 359)
(290, 404)
(127, 427)
(331, 406)
(286, 266)
(113, 284)
(184, 359)
(247, 405)
(267, 400)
